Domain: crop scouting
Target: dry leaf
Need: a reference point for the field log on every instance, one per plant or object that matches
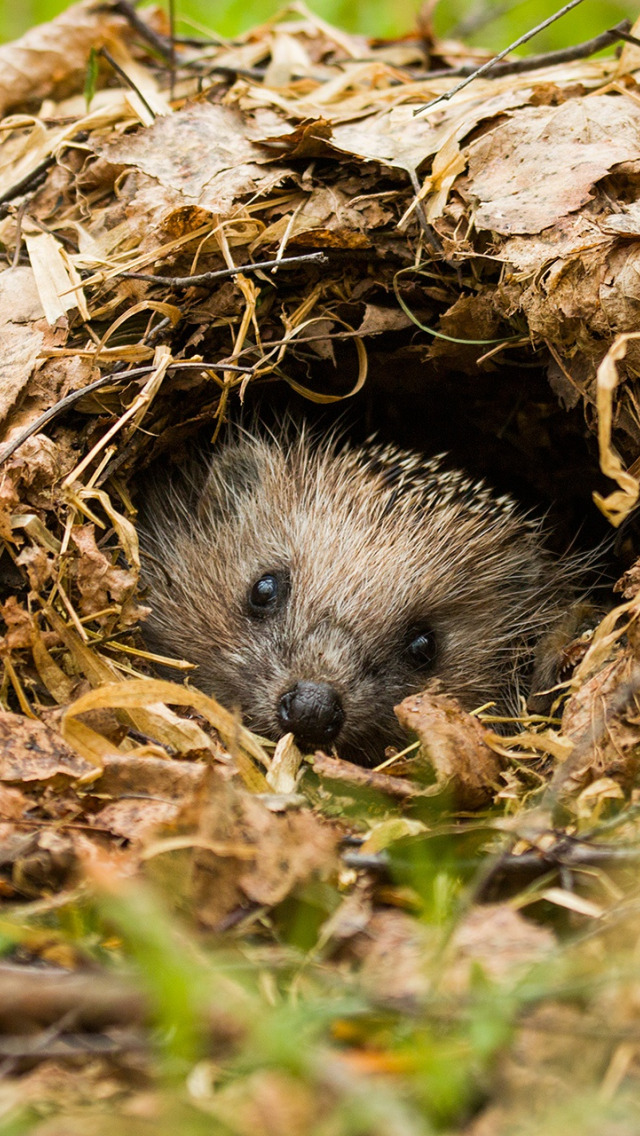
(199, 155)
(31, 751)
(98, 580)
(266, 855)
(543, 162)
(454, 743)
(51, 60)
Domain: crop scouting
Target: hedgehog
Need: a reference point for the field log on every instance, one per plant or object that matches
(316, 584)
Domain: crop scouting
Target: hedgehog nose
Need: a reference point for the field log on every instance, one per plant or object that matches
(312, 712)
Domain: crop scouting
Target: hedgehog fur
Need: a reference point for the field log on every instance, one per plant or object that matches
(316, 585)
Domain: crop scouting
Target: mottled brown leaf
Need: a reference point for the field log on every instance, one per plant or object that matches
(200, 154)
(543, 162)
(454, 743)
(31, 751)
(99, 581)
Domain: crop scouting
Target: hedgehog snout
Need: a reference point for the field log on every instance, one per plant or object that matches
(312, 712)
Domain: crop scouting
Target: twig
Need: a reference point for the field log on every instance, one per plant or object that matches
(630, 38)
(172, 48)
(104, 381)
(429, 232)
(475, 22)
(509, 871)
(567, 854)
(159, 42)
(221, 274)
(32, 180)
(546, 59)
(490, 64)
(69, 1045)
(519, 868)
(18, 219)
(44, 995)
(253, 73)
(106, 54)
(202, 41)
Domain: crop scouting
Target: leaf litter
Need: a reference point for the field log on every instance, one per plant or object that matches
(335, 949)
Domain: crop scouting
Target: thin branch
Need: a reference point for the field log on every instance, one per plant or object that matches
(229, 72)
(103, 381)
(429, 232)
(172, 49)
(69, 1045)
(32, 180)
(106, 54)
(44, 995)
(223, 273)
(522, 867)
(476, 22)
(630, 38)
(202, 41)
(490, 64)
(546, 59)
(159, 42)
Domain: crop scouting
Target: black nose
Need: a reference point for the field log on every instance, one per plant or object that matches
(312, 712)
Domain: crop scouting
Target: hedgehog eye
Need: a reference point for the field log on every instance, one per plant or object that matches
(422, 649)
(266, 593)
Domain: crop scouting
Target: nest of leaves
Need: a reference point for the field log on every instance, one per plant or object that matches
(186, 221)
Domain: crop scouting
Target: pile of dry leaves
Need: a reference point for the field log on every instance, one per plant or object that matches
(185, 221)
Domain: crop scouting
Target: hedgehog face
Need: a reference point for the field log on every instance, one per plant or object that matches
(315, 590)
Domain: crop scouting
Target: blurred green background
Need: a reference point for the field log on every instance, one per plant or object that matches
(494, 24)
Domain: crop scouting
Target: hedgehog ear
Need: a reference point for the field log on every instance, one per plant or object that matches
(232, 476)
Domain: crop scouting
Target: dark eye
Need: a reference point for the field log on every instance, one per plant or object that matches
(266, 593)
(422, 649)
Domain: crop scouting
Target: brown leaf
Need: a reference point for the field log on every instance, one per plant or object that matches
(98, 580)
(293, 848)
(393, 950)
(40, 861)
(13, 803)
(8, 501)
(629, 584)
(309, 139)
(18, 622)
(269, 1101)
(543, 161)
(39, 566)
(170, 781)
(602, 719)
(35, 469)
(135, 820)
(377, 319)
(471, 317)
(200, 154)
(397, 137)
(348, 774)
(51, 60)
(31, 751)
(454, 743)
(243, 854)
(22, 332)
(499, 938)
